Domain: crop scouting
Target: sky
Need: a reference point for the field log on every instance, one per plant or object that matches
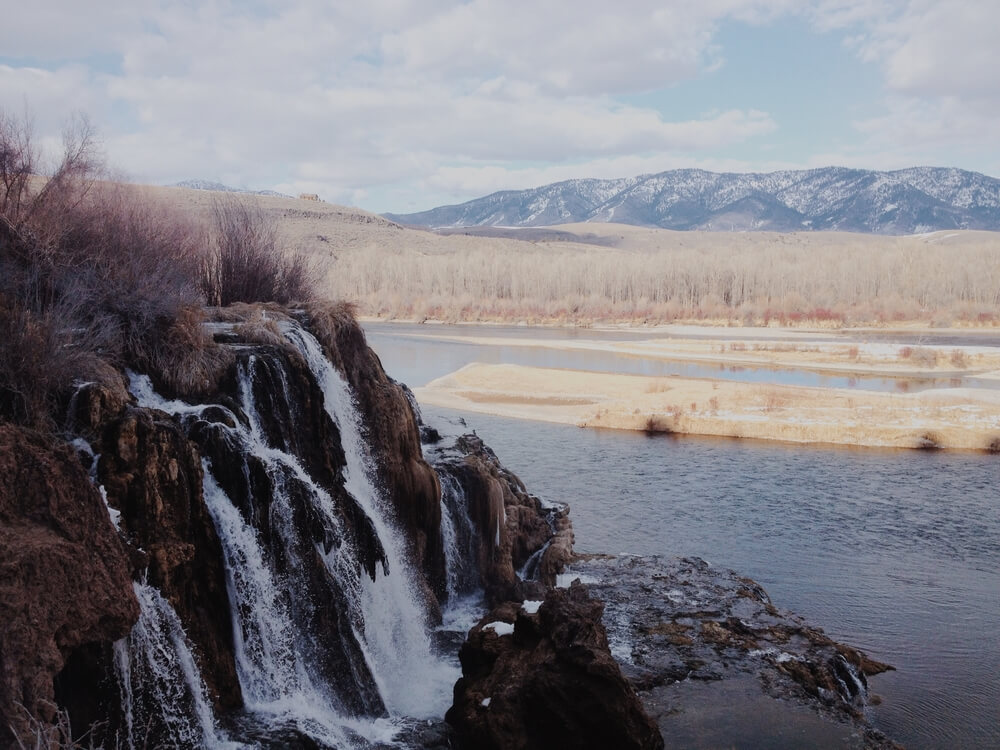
(393, 105)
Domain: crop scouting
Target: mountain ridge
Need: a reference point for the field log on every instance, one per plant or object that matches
(904, 201)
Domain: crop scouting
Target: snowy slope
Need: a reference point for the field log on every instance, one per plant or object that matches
(920, 199)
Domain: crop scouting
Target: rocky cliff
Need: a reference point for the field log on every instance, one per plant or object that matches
(64, 578)
(255, 559)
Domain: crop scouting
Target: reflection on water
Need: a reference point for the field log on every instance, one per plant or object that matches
(895, 552)
(422, 360)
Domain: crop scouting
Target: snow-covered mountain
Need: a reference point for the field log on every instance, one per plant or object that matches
(906, 201)
(219, 187)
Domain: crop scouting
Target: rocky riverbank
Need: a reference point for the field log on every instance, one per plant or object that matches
(715, 663)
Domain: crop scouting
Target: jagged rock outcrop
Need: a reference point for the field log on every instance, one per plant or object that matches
(551, 682)
(64, 576)
(513, 526)
(152, 474)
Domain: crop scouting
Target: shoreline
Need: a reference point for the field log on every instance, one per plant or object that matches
(952, 418)
(714, 325)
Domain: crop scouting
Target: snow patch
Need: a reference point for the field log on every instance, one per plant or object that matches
(499, 627)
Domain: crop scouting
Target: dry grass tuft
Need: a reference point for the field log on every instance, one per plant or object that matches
(659, 424)
(260, 328)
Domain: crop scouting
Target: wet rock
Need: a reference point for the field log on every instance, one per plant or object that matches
(152, 474)
(409, 483)
(548, 680)
(64, 576)
(515, 530)
(676, 620)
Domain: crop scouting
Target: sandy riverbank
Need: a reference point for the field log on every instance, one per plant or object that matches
(960, 418)
(813, 351)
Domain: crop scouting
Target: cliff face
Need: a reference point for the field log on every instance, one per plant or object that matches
(64, 576)
(279, 543)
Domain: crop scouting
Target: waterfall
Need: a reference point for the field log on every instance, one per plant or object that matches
(412, 680)
(460, 539)
(529, 571)
(278, 685)
(274, 528)
(162, 690)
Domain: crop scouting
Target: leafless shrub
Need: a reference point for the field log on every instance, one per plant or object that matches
(89, 273)
(924, 357)
(247, 265)
(54, 735)
(18, 164)
(35, 199)
(658, 424)
(958, 359)
(928, 442)
(38, 363)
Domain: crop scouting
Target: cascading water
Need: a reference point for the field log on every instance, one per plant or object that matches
(412, 680)
(162, 690)
(287, 677)
(460, 539)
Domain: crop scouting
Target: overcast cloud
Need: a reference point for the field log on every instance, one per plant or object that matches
(396, 105)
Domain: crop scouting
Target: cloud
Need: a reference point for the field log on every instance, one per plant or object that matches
(417, 99)
(939, 62)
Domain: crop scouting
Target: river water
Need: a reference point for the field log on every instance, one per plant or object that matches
(895, 552)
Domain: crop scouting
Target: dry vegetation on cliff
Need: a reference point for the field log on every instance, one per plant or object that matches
(96, 276)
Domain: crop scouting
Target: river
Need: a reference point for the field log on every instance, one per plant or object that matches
(895, 552)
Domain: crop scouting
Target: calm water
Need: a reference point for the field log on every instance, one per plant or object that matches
(405, 350)
(896, 552)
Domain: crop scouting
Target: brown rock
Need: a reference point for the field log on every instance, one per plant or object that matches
(153, 475)
(552, 683)
(64, 575)
(512, 523)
